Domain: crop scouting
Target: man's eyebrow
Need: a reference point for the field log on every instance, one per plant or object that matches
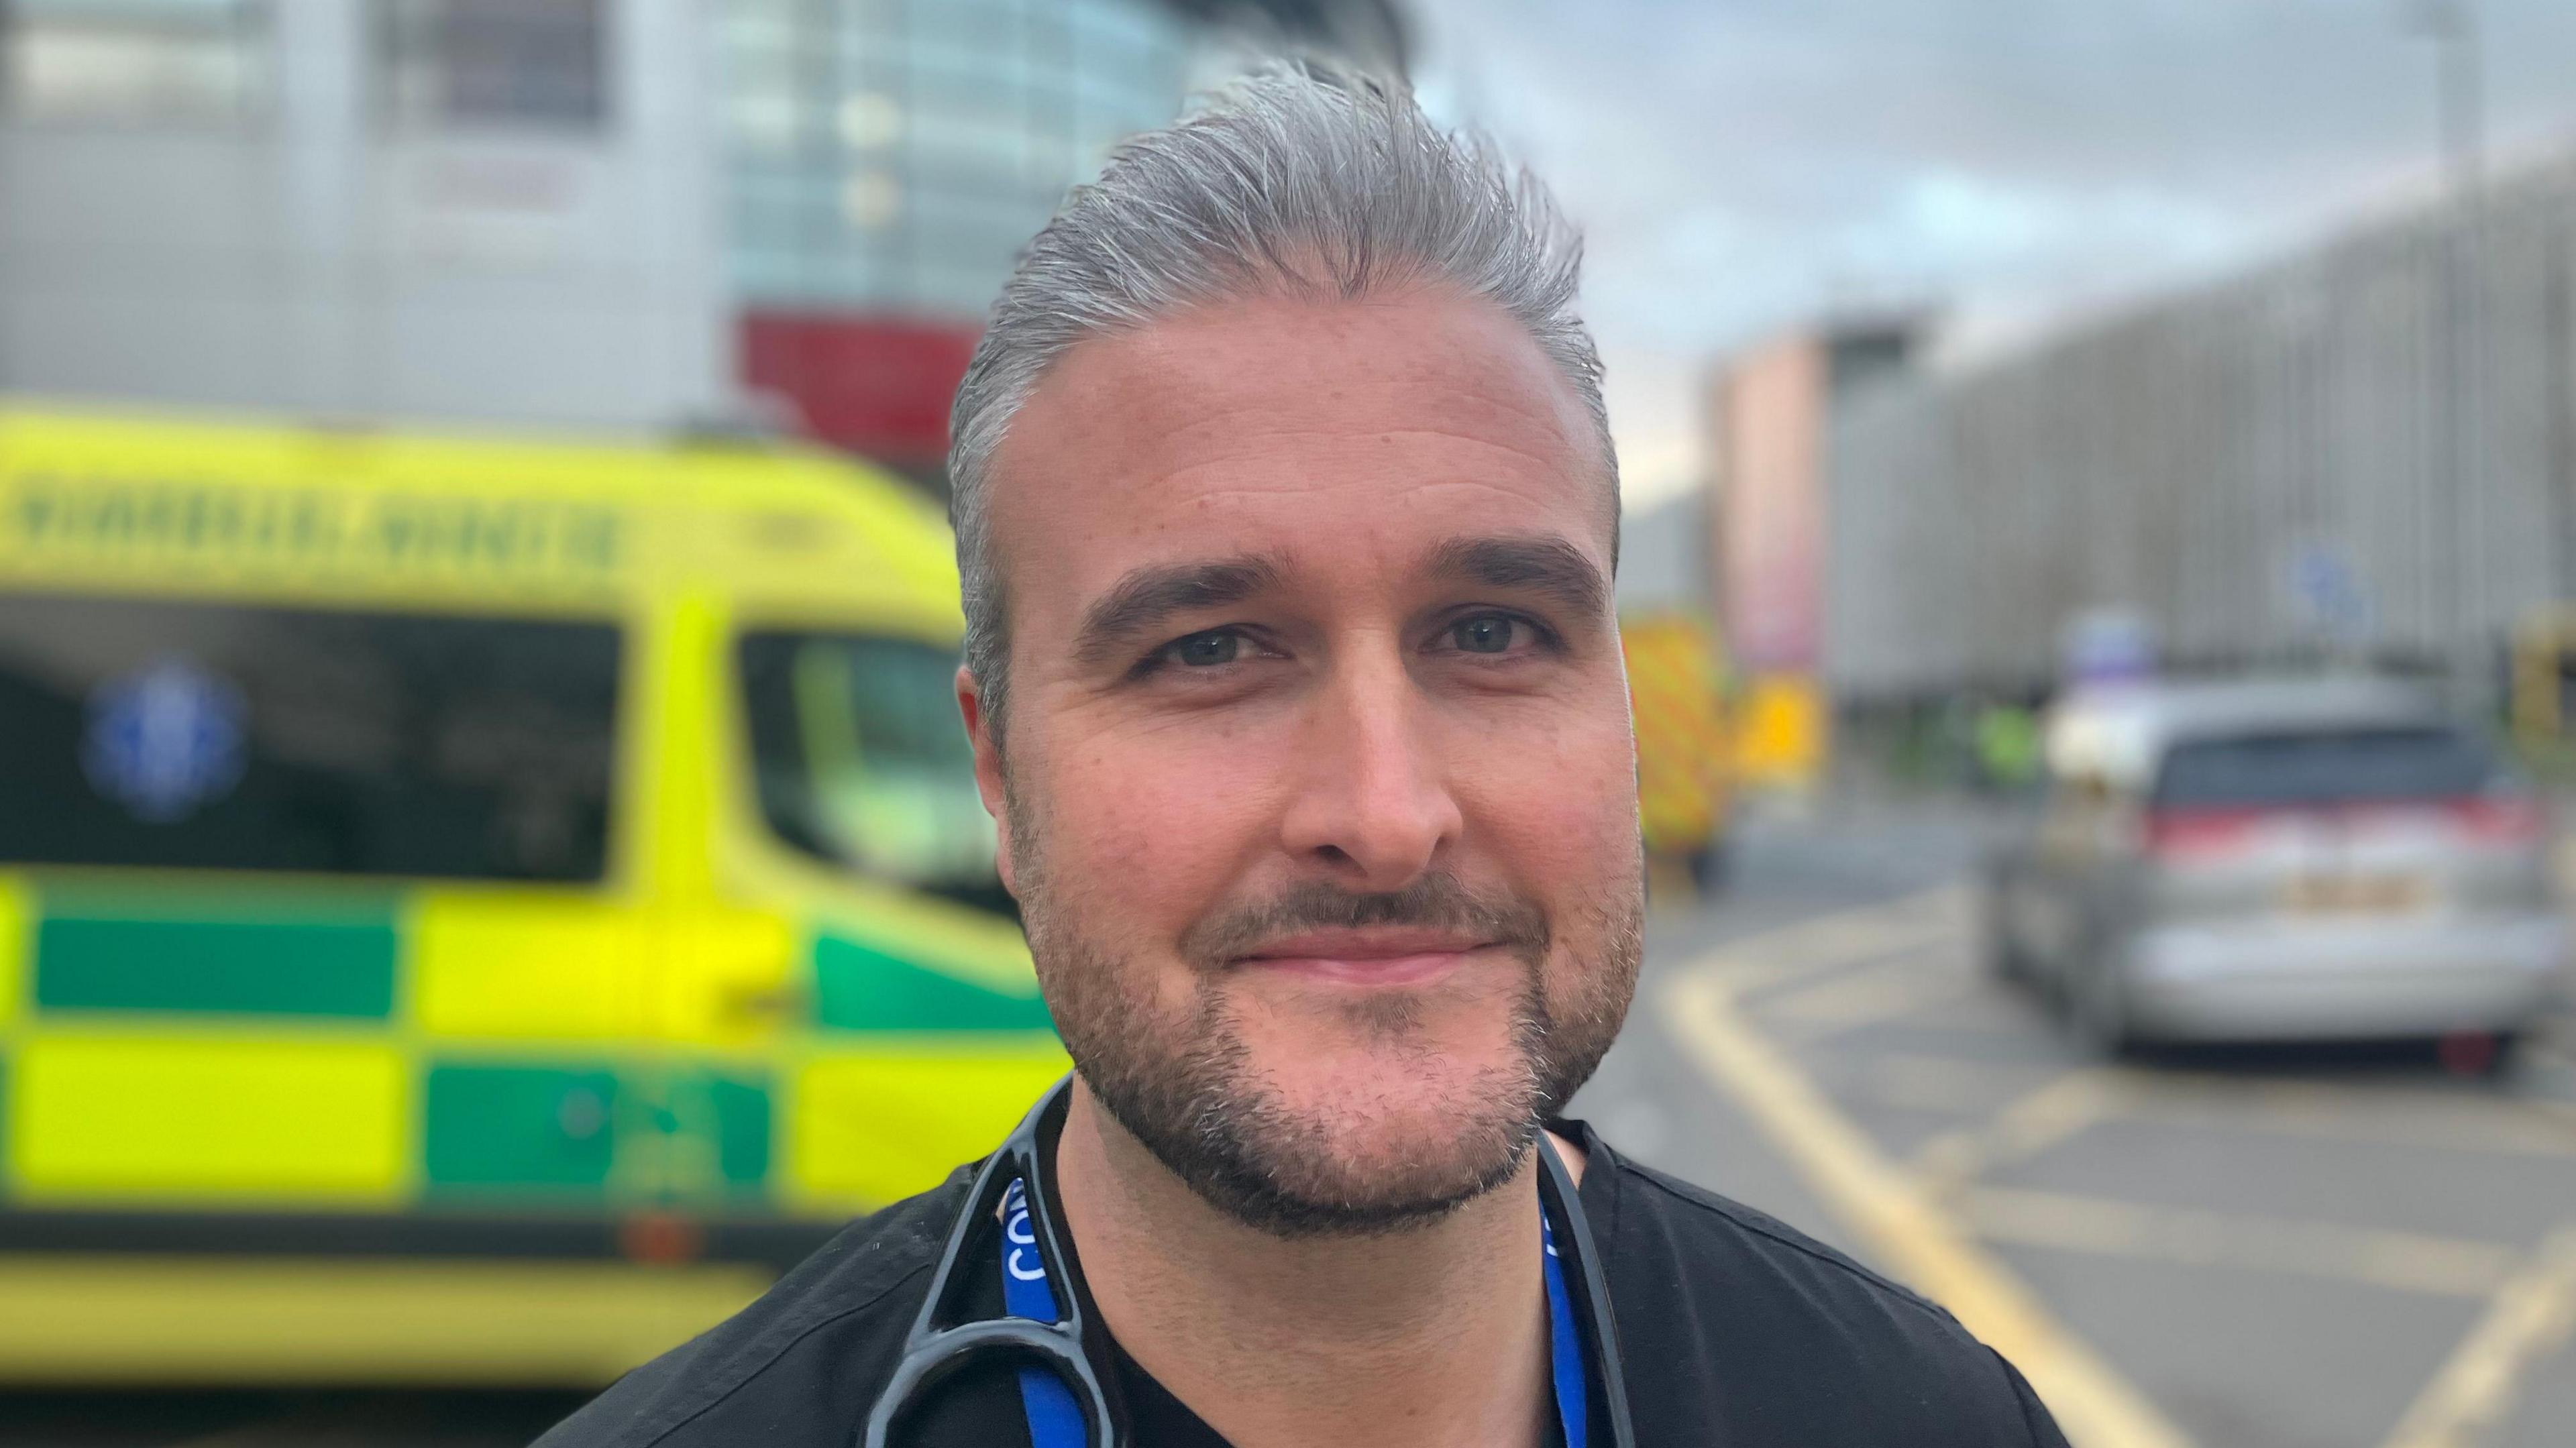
(1549, 566)
(1148, 596)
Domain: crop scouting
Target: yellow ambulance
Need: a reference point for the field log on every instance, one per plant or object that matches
(470, 910)
(1685, 778)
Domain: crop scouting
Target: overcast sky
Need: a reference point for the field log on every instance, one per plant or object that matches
(1740, 164)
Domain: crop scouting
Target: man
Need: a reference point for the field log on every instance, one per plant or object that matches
(1285, 508)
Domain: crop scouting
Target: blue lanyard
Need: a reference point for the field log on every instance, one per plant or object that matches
(1055, 1420)
(1565, 1346)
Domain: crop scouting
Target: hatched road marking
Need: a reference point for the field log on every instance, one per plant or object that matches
(2344, 1111)
(1843, 939)
(2450, 1121)
(2398, 1261)
(2056, 1112)
(1940, 1083)
(2095, 1405)
(1895, 986)
(2528, 1317)
(1738, 1012)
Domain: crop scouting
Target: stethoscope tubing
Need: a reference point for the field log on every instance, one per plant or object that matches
(932, 1351)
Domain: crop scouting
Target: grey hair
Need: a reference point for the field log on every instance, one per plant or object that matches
(1299, 178)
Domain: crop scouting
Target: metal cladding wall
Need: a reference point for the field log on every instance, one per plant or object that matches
(327, 254)
(2263, 469)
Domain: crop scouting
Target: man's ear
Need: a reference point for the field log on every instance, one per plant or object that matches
(988, 769)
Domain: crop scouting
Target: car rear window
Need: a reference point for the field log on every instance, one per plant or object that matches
(195, 735)
(2325, 767)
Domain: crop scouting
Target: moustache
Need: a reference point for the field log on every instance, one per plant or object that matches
(1435, 902)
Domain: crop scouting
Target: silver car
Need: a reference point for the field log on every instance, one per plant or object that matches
(2278, 860)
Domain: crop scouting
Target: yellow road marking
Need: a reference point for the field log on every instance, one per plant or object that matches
(1940, 1083)
(2556, 1049)
(2056, 1112)
(2096, 1407)
(1847, 938)
(2399, 1261)
(2377, 1114)
(2365, 1112)
(1895, 986)
(1874, 941)
(2526, 1319)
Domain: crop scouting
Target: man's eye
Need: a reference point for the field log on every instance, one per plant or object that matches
(1205, 650)
(1486, 633)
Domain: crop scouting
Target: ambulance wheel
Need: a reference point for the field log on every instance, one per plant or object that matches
(1709, 867)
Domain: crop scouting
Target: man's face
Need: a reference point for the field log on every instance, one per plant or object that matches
(1317, 777)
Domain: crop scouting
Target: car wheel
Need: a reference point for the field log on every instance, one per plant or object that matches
(2478, 1053)
(2003, 955)
(2100, 1012)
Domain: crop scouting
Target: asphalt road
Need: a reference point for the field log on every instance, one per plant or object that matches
(2246, 1249)
(2266, 1248)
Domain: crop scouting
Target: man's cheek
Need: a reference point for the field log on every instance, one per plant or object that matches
(1587, 798)
(1146, 826)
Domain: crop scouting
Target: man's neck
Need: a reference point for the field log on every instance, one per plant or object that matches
(1434, 1335)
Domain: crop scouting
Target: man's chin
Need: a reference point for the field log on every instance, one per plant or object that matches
(1345, 1162)
(1353, 1197)
(1345, 1121)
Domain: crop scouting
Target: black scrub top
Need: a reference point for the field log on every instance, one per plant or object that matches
(1734, 1330)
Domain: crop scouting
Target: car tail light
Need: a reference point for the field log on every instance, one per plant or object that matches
(2500, 819)
(2198, 834)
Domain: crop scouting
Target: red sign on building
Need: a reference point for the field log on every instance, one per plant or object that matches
(877, 386)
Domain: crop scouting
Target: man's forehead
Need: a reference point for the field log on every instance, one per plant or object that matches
(1225, 403)
(1365, 354)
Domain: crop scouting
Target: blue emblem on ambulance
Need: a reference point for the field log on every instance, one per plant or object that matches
(165, 741)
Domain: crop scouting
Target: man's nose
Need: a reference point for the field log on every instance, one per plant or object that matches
(1373, 802)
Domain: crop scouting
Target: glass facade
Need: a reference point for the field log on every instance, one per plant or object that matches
(172, 62)
(500, 63)
(892, 156)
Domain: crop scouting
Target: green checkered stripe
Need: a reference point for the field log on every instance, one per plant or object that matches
(499, 1122)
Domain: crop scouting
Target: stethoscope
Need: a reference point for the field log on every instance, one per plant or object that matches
(1068, 1348)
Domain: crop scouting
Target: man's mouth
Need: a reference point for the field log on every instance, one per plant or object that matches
(1367, 956)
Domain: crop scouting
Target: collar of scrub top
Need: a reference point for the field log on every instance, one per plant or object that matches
(1068, 1348)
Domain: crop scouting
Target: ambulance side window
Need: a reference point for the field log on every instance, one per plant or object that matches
(215, 736)
(860, 759)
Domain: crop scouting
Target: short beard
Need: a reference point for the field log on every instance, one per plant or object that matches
(1186, 1086)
